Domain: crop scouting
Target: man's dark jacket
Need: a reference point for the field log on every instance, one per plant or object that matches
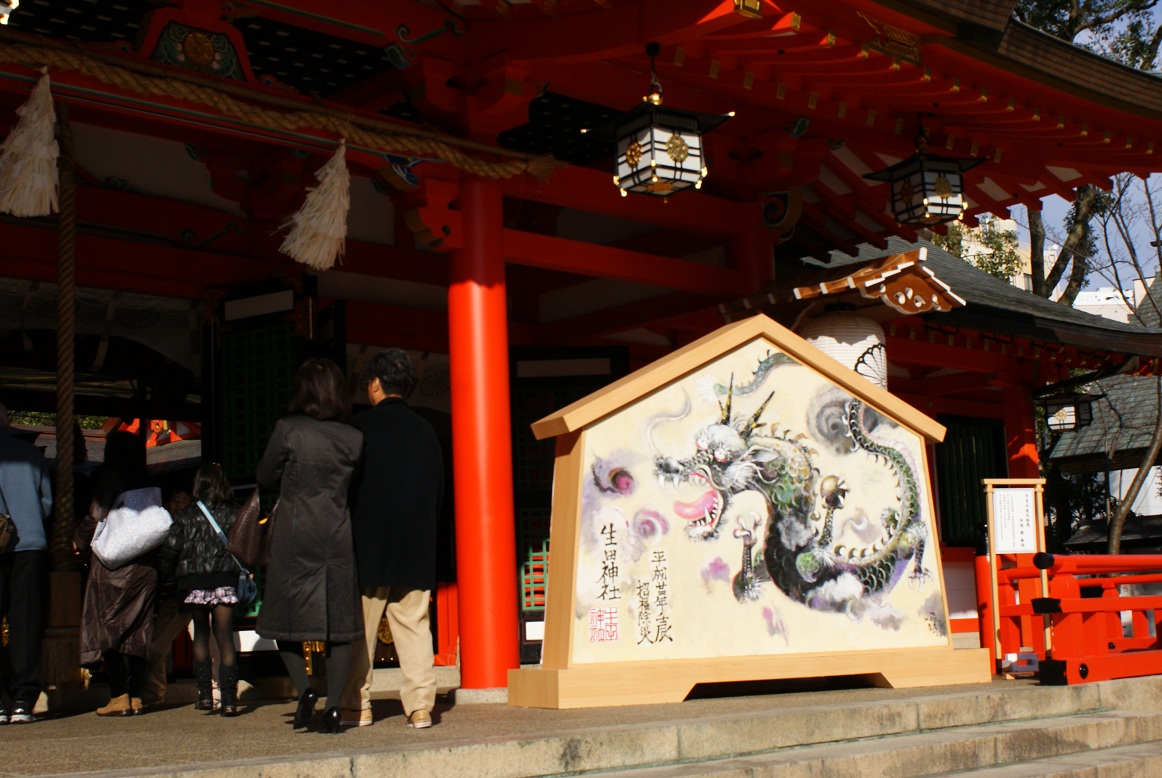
(397, 498)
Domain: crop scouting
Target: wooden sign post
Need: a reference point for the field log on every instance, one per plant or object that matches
(1016, 525)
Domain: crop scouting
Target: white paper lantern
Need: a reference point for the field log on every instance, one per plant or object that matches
(852, 340)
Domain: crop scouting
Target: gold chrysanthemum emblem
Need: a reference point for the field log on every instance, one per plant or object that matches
(907, 193)
(677, 149)
(942, 188)
(633, 153)
(198, 48)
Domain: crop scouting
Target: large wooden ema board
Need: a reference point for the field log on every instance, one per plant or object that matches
(746, 508)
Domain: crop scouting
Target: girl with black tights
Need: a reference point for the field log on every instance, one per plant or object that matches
(206, 575)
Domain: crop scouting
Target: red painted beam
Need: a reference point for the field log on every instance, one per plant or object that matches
(387, 325)
(590, 259)
(643, 314)
(594, 192)
(620, 31)
(112, 263)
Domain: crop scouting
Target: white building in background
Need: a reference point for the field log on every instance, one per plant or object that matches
(1107, 302)
(1110, 303)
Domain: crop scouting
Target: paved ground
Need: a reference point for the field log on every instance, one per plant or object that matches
(176, 735)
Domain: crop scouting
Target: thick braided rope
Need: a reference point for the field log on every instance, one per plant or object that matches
(404, 144)
(63, 513)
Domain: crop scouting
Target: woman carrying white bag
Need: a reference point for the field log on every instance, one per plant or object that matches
(124, 523)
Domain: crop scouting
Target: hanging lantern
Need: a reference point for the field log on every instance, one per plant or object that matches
(852, 340)
(1064, 412)
(659, 150)
(927, 189)
(6, 9)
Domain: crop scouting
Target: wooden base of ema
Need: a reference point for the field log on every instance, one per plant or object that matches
(643, 683)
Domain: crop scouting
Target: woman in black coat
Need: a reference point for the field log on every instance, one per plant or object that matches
(206, 575)
(311, 592)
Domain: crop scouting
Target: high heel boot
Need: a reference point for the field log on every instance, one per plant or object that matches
(203, 675)
(306, 708)
(228, 683)
(330, 723)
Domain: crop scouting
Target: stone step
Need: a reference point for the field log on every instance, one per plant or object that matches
(822, 734)
(1005, 750)
(1135, 761)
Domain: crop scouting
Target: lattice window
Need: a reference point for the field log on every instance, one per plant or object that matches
(532, 527)
(973, 449)
(257, 368)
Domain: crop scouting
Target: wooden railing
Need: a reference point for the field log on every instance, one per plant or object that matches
(1100, 627)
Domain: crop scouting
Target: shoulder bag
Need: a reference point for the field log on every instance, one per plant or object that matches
(246, 589)
(247, 539)
(137, 523)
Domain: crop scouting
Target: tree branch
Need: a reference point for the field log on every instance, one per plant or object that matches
(1037, 252)
(1118, 521)
(1075, 241)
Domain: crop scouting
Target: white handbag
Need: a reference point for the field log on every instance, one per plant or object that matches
(137, 523)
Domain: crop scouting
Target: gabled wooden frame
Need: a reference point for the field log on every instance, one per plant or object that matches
(560, 682)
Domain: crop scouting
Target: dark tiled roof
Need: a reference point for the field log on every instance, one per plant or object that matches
(999, 307)
(1123, 419)
(1139, 530)
(1071, 68)
(1122, 426)
(988, 31)
(993, 14)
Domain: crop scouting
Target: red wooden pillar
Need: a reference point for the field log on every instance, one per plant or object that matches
(754, 248)
(1021, 450)
(482, 443)
(1020, 433)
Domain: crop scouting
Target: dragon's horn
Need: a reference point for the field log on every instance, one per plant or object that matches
(729, 398)
(750, 425)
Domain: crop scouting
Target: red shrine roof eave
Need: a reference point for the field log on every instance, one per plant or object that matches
(480, 70)
(1022, 139)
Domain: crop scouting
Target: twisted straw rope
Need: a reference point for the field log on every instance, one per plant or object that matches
(348, 127)
(64, 515)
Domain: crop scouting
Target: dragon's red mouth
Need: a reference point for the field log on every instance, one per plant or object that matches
(702, 513)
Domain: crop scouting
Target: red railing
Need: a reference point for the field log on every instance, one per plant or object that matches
(1021, 631)
(1098, 631)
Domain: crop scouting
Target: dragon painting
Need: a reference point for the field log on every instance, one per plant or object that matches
(798, 553)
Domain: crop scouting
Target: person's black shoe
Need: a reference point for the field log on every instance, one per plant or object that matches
(330, 724)
(3, 713)
(306, 708)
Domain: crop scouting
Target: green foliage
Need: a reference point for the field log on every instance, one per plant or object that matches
(1124, 30)
(952, 240)
(1072, 501)
(37, 419)
(988, 247)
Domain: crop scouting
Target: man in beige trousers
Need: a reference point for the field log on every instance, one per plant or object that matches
(397, 505)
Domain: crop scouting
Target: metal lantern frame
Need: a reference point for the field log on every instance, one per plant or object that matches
(927, 189)
(1065, 412)
(659, 149)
